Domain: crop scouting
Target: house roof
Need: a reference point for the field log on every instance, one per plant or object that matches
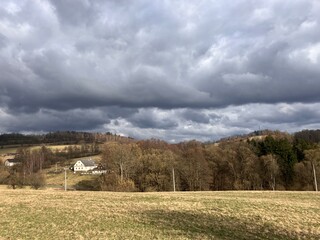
(13, 160)
(88, 162)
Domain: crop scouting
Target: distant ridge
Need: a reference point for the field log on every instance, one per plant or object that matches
(256, 135)
(60, 137)
(73, 137)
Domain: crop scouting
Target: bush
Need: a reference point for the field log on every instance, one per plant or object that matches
(87, 185)
(4, 174)
(37, 180)
(112, 182)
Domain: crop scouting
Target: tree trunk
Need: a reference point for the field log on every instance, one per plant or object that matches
(121, 172)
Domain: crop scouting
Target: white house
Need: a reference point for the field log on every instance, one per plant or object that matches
(84, 165)
(11, 162)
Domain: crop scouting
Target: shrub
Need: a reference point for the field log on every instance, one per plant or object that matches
(112, 182)
(37, 180)
(87, 185)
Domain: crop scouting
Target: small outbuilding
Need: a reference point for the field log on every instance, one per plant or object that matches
(11, 162)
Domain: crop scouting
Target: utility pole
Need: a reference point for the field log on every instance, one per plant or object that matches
(65, 179)
(315, 177)
(173, 180)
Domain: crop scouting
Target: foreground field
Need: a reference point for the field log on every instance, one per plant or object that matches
(50, 214)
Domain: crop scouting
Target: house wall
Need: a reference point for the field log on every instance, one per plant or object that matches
(9, 164)
(78, 166)
(83, 168)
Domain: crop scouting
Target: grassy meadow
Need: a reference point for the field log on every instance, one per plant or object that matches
(52, 214)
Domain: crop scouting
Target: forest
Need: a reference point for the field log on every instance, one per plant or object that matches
(266, 160)
(278, 161)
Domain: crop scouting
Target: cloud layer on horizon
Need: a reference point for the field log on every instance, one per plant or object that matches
(174, 70)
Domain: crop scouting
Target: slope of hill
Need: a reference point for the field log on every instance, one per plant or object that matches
(256, 135)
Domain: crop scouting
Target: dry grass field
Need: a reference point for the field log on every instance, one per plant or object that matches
(13, 149)
(50, 214)
(4, 151)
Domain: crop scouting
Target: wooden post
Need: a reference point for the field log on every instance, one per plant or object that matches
(65, 179)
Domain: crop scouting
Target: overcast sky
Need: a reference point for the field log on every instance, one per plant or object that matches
(171, 69)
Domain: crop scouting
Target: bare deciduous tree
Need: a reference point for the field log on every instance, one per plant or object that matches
(313, 156)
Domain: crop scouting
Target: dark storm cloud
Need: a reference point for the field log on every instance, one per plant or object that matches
(74, 12)
(158, 65)
(154, 57)
(52, 120)
(195, 116)
(48, 120)
(152, 119)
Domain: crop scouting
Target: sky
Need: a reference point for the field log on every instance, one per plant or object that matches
(169, 69)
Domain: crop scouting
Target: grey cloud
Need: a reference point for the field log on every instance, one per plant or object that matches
(164, 66)
(150, 118)
(52, 120)
(196, 62)
(75, 12)
(48, 120)
(288, 117)
(196, 116)
(3, 41)
(296, 114)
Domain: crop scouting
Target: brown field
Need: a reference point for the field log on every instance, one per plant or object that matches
(51, 214)
(54, 147)
(4, 151)
(13, 149)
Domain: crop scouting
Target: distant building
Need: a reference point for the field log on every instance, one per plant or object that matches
(84, 165)
(100, 169)
(11, 162)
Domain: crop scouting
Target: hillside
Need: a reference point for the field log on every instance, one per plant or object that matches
(256, 135)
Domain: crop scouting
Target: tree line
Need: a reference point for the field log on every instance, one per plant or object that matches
(280, 162)
(59, 137)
